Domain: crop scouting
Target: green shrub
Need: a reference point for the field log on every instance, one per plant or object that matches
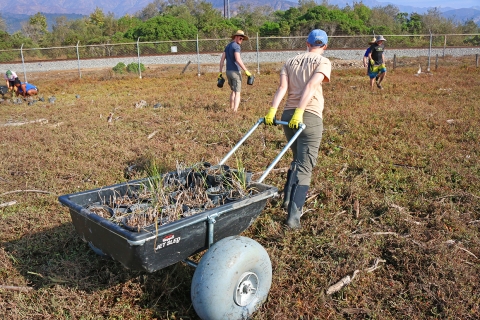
(133, 67)
(120, 68)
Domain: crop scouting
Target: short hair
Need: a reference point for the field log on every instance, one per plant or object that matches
(17, 81)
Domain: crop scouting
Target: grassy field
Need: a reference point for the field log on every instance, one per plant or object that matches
(397, 185)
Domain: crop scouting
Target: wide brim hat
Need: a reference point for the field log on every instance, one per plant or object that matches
(240, 33)
(380, 38)
(373, 41)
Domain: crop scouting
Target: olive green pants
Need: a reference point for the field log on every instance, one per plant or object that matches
(305, 148)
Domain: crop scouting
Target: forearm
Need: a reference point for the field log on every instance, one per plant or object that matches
(278, 97)
(281, 91)
(306, 98)
(309, 90)
(222, 61)
(239, 61)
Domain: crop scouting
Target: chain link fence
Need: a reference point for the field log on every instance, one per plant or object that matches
(207, 51)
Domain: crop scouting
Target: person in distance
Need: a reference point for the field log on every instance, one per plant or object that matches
(234, 66)
(10, 77)
(25, 89)
(377, 60)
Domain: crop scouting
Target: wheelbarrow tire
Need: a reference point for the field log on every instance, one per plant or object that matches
(232, 279)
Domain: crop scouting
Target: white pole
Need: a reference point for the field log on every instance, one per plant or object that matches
(429, 52)
(258, 60)
(23, 63)
(138, 54)
(198, 57)
(78, 59)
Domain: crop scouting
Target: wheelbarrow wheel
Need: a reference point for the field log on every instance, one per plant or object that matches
(232, 279)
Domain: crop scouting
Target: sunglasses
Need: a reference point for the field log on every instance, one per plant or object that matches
(241, 38)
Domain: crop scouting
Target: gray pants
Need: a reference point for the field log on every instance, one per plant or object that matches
(305, 148)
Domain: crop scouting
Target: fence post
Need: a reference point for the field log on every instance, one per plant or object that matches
(429, 51)
(394, 61)
(476, 60)
(258, 60)
(78, 59)
(23, 64)
(444, 45)
(138, 55)
(198, 57)
(436, 62)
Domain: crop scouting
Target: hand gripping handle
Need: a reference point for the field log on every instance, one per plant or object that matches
(301, 127)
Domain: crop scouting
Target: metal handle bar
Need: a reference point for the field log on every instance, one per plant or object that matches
(301, 127)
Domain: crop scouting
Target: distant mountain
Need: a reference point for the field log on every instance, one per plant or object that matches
(85, 7)
(275, 4)
(14, 21)
(18, 11)
(463, 15)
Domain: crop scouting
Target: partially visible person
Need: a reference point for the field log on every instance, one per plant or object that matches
(376, 56)
(25, 89)
(10, 77)
(234, 66)
(366, 61)
(302, 76)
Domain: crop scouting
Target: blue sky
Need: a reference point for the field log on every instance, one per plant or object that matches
(435, 3)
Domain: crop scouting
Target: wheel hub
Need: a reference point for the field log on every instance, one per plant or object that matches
(246, 289)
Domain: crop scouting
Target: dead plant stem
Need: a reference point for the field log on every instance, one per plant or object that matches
(19, 191)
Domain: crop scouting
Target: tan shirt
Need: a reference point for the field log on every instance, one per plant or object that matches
(299, 70)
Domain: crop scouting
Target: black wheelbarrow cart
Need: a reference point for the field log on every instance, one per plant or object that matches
(234, 275)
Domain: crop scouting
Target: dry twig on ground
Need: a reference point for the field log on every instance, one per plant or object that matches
(342, 283)
(16, 124)
(18, 191)
(15, 288)
(7, 204)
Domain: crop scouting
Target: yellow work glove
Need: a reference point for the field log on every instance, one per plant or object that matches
(372, 62)
(220, 76)
(248, 73)
(270, 116)
(296, 119)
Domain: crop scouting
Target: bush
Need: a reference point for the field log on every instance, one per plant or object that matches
(133, 67)
(120, 68)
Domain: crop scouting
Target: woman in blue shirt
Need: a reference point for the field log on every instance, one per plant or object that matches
(25, 89)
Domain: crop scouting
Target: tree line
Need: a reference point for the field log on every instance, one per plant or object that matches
(185, 19)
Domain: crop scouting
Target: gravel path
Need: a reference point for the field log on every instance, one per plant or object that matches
(213, 59)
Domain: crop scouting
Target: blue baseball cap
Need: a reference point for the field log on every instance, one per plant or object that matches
(317, 38)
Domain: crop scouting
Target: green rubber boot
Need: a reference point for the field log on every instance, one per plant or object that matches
(297, 200)
(291, 180)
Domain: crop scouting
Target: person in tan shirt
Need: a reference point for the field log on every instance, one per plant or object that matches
(302, 77)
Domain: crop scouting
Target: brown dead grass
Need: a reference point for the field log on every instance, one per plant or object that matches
(397, 179)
